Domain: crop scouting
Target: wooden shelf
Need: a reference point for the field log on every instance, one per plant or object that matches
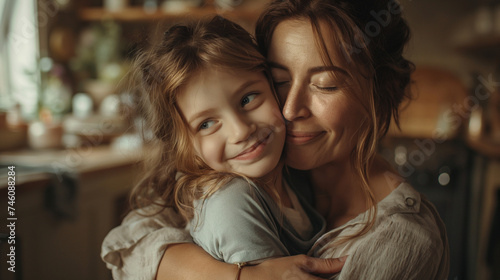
(133, 14)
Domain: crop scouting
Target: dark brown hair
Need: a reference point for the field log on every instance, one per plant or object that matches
(368, 42)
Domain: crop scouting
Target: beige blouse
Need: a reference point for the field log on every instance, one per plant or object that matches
(133, 250)
(408, 241)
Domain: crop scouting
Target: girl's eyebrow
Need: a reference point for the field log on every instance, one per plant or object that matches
(245, 85)
(238, 90)
(199, 114)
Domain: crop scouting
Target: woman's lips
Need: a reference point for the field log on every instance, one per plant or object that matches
(254, 151)
(299, 138)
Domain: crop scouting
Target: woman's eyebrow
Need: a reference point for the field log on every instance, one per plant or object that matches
(319, 69)
(312, 70)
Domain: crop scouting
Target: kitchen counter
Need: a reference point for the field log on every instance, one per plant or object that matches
(36, 166)
(66, 201)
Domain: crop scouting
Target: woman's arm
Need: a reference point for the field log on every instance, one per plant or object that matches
(189, 261)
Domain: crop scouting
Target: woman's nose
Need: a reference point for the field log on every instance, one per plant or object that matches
(241, 129)
(295, 106)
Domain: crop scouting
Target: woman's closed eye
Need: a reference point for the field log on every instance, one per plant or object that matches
(326, 88)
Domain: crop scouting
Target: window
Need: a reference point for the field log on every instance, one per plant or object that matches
(19, 55)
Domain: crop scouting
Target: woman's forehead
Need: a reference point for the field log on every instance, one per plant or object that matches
(296, 39)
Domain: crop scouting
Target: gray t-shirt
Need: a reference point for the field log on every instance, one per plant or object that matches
(241, 223)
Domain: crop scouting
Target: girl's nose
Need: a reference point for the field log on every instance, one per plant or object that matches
(241, 129)
(295, 106)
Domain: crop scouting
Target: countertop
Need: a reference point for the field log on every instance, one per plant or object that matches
(34, 167)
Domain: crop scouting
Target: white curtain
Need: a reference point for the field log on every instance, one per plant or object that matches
(19, 47)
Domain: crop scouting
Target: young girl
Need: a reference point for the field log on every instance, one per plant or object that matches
(217, 126)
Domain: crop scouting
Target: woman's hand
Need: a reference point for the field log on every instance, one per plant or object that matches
(188, 261)
(298, 267)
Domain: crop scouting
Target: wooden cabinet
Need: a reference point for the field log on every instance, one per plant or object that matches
(60, 248)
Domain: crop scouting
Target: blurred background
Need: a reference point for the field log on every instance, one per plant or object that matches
(66, 125)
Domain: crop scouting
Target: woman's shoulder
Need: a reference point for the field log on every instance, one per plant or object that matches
(409, 216)
(411, 236)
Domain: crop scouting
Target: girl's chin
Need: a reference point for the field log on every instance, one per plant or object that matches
(258, 171)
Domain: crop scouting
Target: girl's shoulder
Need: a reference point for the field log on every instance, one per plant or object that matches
(237, 193)
(236, 187)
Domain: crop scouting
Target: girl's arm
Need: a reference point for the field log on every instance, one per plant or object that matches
(188, 261)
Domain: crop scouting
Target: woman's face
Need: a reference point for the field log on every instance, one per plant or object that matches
(323, 117)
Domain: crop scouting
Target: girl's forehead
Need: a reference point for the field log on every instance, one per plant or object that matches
(211, 81)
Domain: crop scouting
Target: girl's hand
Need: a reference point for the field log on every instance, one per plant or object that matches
(187, 261)
(298, 267)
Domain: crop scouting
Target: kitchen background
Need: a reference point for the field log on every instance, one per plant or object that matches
(65, 107)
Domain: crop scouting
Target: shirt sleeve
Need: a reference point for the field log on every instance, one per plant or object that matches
(398, 251)
(134, 249)
(236, 224)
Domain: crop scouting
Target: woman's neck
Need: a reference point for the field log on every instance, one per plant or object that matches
(337, 193)
(338, 190)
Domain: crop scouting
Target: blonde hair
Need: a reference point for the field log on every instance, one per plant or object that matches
(160, 73)
(376, 68)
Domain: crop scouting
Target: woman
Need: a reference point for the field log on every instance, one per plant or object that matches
(339, 70)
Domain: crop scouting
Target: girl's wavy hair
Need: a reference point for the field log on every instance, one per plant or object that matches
(378, 75)
(160, 74)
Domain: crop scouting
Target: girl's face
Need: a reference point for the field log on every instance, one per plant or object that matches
(324, 118)
(235, 121)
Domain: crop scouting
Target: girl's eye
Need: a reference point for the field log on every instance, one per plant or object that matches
(247, 99)
(206, 125)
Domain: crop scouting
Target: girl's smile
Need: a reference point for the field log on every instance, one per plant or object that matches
(235, 121)
(253, 151)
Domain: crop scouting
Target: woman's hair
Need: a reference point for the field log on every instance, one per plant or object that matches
(160, 74)
(368, 42)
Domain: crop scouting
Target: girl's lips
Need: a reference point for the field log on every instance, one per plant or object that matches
(254, 151)
(299, 138)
